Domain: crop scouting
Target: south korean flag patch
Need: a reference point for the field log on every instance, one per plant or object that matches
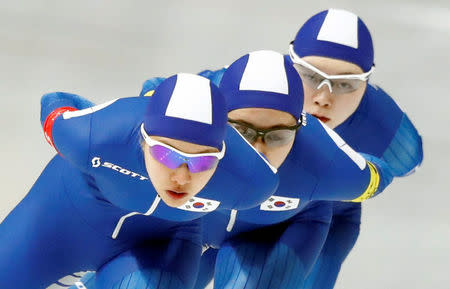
(277, 203)
(199, 205)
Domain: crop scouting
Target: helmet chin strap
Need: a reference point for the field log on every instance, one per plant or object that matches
(327, 82)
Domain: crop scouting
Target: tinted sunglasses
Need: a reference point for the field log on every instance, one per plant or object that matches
(272, 137)
(173, 158)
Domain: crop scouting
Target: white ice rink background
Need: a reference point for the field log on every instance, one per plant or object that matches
(106, 49)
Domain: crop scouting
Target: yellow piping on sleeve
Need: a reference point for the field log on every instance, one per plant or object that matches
(373, 184)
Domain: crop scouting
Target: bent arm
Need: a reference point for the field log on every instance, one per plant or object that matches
(69, 135)
(405, 152)
(351, 176)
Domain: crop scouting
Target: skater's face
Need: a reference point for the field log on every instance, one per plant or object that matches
(176, 186)
(264, 118)
(332, 108)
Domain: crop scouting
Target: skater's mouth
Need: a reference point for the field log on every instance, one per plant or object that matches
(321, 118)
(175, 194)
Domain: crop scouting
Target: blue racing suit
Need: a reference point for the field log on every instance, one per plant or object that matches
(290, 224)
(380, 128)
(94, 201)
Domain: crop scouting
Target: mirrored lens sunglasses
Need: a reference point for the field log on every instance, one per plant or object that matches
(173, 158)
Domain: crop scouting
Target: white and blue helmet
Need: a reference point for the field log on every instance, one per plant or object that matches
(187, 107)
(263, 79)
(338, 34)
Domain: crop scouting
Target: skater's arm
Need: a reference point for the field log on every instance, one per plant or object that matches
(351, 176)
